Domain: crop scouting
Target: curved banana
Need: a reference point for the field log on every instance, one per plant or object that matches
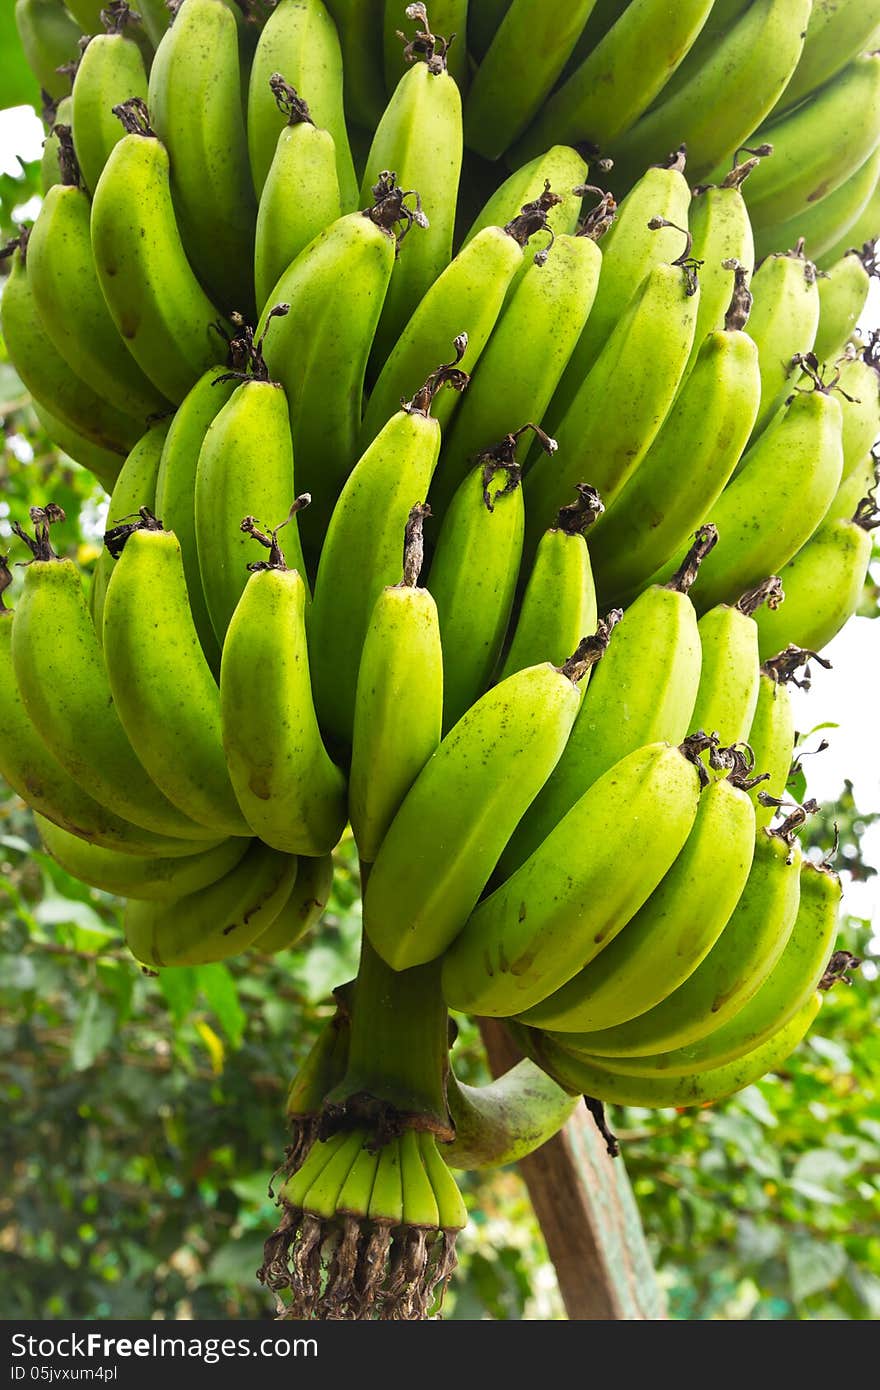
(301, 194)
(110, 71)
(451, 1211)
(398, 711)
(843, 293)
(215, 922)
(359, 23)
(150, 878)
(560, 168)
(862, 231)
(505, 1120)
(304, 908)
(837, 33)
(783, 322)
(562, 907)
(772, 734)
(822, 224)
(161, 311)
(857, 379)
(621, 711)
(50, 39)
(443, 843)
(299, 40)
(196, 108)
(726, 979)
(134, 488)
(675, 928)
(722, 241)
(103, 463)
(862, 482)
(290, 791)
(730, 668)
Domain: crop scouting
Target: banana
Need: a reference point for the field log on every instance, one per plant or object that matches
(398, 711)
(304, 908)
(861, 483)
(732, 972)
(103, 463)
(419, 1203)
(299, 41)
(484, 18)
(824, 583)
(676, 927)
(863, 230)
(622, 711)
(474, 573)
(50, 165)
(772, 735)
(516, 75)
(443, 843)
(359, 23)
(722, 17)
(64, 687)
(361, 553)
(155, 17)
(163, 689)
(420, 138)
(843, 293)
(718, 221)
(630, 249)
(290, 791)
(50, 39)
(783, 322)
(823, 223)
(622, 402)
(319, 1156)
(451, 1210)
(836, 34)
(857, 379)
(505, 1120)
(386, 1198)
(45, 373)
(217, 921)
(470, 290)
(87, 14)
(790, 984)
(447, 17)
(335, 289)
(133, 876)
(562, 907)
(301, 194)
(559, 601)
(110, 71)
(322, 1068)
(522, 363)
(245, 467)
(726, 97)
(71, 306)
(196, 109)
(774, 504)
(709, 422)
(619, 79)
(135, 488)
(354, 1195)
(730, 668)
(161, 311)
(584, 1076)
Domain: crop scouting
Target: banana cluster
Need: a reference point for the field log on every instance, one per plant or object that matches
(467, 490)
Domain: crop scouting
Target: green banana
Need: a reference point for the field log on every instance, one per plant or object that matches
(823, 223)
(861, 482)
(619, 79)
(419, 1203)
(299, 41)
(103, 463)
(398, 711)
(217, 921)
(622, 711)
(843, 293)
(87, 14)
(196, 108)
(726, 979)
(559, 601)
(507, 1119)
(447, 17)
(52, 383)
(155, 17)
(772, 735)
(783, 322)
(562, 907)
(863, 230)
(521, 365)
(675, 928)
(451, 1211)
(134, 876)
(161, 311)
(64, 687)
(361, 553)
(442, 845)
(163, 689)
(516, 75)
(419, 137)
(837, 33)
(110, 71)
(583, 1076)
(134, 488)
(561, 168)
(728, 95)
(709, 423)
(730, 669)
(301, 194)
(50, 164)
(304, 908)
(857, 379)
(790, 984)
(386, 1198)
(359, 23)
(722, 241)
(71, 306)
(622, 402)
(354, 1195)
(245, 468)
(774, 504)
(824, 583)
(483, 20)
(290, 791)
(50, 39)
(722, 17)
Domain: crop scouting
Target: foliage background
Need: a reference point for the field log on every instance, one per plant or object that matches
(143, 1116)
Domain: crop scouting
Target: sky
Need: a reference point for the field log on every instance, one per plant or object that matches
(848, 695)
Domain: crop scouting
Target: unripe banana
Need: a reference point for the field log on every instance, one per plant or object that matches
(772, 735)
(823, 223)
(110, 71)
(857, 379)
(451, 1210)
(836, 34)
(729, 672)
(156, 17)
(359, 23)
(398, 712)
(861, 483)
(163, 315)
(862, 231)
(843, 292)
(304, 908)
(291, 793)
(386, 1199)
(87, 14)
(135, 488)
(783, 322)
(163, 689)
(560, 168)
(505, 1120)
(447, 17)
(445, 840)
(50, 39)
(50, 165)
(216, 922)
(722, 241)
(419, 1203)
(562, 907)
(103, 463)
(301, 194)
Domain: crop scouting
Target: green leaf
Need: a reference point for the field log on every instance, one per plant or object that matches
(813, 1266)
(94, 1029)
(221, 992)
(180, 987)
